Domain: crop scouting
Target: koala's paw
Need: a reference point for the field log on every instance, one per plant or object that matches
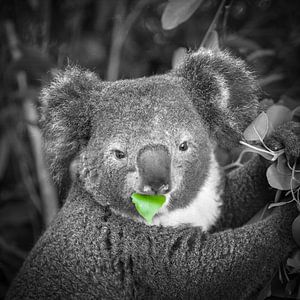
(286, 136)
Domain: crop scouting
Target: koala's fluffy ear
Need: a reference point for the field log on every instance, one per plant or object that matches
(223, 91)
(66, 107)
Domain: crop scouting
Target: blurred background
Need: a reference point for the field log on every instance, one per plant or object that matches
(116, 39)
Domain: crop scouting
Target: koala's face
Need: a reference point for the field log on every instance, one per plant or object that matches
(146, 138)
(150, 135)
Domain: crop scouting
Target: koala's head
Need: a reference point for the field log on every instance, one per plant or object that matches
(152, 135)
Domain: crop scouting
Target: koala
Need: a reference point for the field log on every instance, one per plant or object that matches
(155, 135)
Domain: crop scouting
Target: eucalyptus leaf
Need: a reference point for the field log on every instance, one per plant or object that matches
(178, 56)
(282, 166)
(280, 181)
(258, 129)
(297, 178)
(178, 11)
(148, 205)
(277, 115)
(212, 41)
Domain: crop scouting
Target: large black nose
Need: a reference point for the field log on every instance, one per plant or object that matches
(154, 169)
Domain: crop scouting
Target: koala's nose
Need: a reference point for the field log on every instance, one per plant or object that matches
(154, 169)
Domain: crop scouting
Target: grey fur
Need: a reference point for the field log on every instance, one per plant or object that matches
(92, 252)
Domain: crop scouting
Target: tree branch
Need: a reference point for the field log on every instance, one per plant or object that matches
(120, 32)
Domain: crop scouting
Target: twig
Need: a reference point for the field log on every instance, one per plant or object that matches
(12, 40)
(277, 196)
(4, 152)
(117, 41)
(48, 195)
(232, 166)
(120, 31)
(270, 79)
(237, 163)
(46, 11)
(213, 23)
(22, 157)
(227, 7)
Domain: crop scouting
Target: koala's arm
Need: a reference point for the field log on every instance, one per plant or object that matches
(246, 188)
(227, 265)
(246, 192)
(91, 253)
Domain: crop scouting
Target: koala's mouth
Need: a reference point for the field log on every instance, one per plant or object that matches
(150, 206)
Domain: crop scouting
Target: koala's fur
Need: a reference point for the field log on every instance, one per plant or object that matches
(98, 247)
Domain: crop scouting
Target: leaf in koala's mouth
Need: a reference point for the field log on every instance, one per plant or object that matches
(148, 205)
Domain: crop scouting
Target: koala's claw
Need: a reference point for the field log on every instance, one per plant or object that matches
(278, 147)
(286, 136)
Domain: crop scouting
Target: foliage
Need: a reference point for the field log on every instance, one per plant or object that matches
(148, 205)
(281, 176)
(117, 39)
(177, 12)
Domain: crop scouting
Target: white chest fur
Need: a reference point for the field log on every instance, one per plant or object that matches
(204, 209)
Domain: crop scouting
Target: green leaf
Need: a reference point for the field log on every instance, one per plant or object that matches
(148, 205)
(277, 180)
(258, 129)
(280, 181)
(282, 166)
(212, 41)
(177, 12)
(277, 115)
(178, 56)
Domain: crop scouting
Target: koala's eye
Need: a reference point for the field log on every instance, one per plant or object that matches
(119, 154)
(183, 146)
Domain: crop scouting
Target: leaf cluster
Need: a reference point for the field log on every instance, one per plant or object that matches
(280, 174)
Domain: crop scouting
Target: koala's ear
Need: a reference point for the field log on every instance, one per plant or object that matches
(223, 91)
(66, 107)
